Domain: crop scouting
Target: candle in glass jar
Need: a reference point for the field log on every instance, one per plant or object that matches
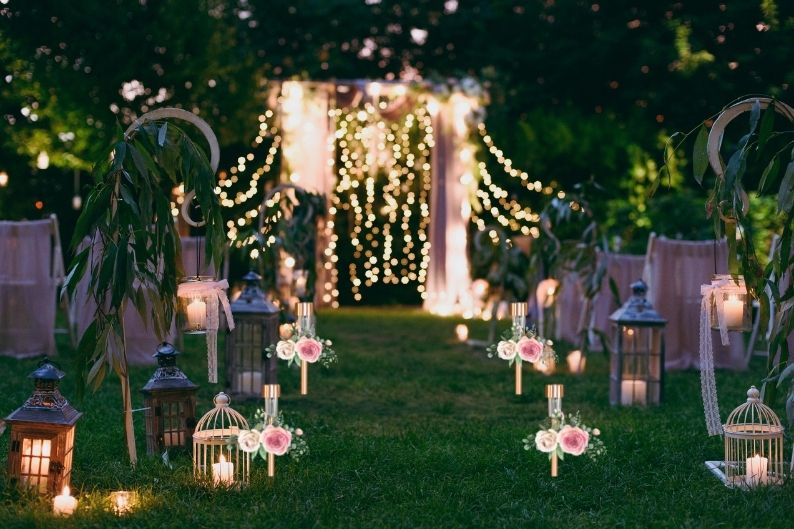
(64, 504)
(197, 314)
(633, 392)
(223, 472)
(576, 362)
(733, 309)
(756, 470)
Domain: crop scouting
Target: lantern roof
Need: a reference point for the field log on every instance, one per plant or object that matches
(168, 376)
(46, 405)
(638, 310)
(252, 299)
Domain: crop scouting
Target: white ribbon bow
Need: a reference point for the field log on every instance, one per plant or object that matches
(212, 292)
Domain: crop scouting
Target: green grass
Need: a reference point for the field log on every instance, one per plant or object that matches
(411, 429)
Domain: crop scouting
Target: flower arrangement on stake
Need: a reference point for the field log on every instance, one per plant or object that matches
(559, 435)
(272, 437)
(520, 344)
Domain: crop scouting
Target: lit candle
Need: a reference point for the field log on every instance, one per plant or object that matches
(121, 500)
(65, 503)
(223, 472)
(733, 310)
(249, 381)
(633, 392)
(301, 277)
(462, 332)
(576, 362)
(174, 438)
(756, 470)
(197, 314)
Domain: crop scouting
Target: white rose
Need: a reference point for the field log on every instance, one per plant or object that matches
(546, 441)
(248, 441)
(506, 349)
(285, 349)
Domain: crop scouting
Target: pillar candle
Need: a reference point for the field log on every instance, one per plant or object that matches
(249, 381)
(756, 470)
(65, 503)
(733, 310)
(576, 362)
(223, 472)
(633, 392)
(197, 314)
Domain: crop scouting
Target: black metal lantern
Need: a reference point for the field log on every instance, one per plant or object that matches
(42, 434)
(170, 402)
(637, 360)
(256, 327)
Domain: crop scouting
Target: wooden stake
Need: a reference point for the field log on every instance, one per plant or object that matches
(271, 465)
(304, 377)
(518, 377)
(554, 464)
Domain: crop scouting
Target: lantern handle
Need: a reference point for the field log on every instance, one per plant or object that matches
(209, 135)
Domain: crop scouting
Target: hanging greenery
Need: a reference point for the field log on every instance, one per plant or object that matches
(127, 243)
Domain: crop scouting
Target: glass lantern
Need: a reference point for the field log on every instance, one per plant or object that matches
(637, 358)
(271, 393)
(730, 303)
(256, 327)
(554, 393)
(193, 303)
(753, 445)
(217, 460)
(42, 435)
(518, 315)
(170, 401)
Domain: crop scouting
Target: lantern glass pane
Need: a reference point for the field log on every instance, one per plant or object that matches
(730, 303)
(35, 468)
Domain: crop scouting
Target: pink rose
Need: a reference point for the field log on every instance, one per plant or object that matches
(276, 440)
(308, 349)
(529, 349)
(573, 440)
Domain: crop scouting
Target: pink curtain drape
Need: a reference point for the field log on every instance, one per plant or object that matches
(30, 271)
(141, 340)
(623, 269)
(569, 308)
(675, 270)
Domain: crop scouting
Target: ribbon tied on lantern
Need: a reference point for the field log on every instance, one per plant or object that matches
(211, 294)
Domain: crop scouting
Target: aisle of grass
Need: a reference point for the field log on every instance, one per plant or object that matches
(414, 430)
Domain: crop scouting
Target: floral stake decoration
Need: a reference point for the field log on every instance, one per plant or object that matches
(560, 435)
(271, 436)
(303, 346)
(520, 344)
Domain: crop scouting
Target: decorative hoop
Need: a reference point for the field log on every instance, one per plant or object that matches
(717, 132)
(212, 140)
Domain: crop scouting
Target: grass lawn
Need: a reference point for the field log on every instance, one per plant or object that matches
(411, 429)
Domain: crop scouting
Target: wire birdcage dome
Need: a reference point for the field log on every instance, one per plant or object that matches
(217, 459)
(753, 444)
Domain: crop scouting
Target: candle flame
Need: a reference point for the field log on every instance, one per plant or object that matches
(66, 491)
(222, 459)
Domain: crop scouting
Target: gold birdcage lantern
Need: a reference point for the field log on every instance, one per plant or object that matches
(730, 303)
(217, 459)
(637, 358)
(42, 435)
(753, 445)
(256, 327)
(170, 402)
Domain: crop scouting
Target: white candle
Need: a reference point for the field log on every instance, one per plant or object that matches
(462, 332)
(174, 438)
(576, 362)
(122, 501)
(300, 283)
(249, 381)
(756, 471)
(65, 503)
(197, 314)
(633, 392)
(733, 310)
(223, 472)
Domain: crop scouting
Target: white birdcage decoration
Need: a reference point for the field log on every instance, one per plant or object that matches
(730, 307)
(217, 458)
(753, 445)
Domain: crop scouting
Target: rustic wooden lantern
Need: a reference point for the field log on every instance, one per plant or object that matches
(256, 328)
(42, 434)
(637, 359)
(170, 401)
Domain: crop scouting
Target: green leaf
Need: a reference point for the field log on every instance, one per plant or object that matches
(119, 152)
(755, 114)
(785, 198)
(126, 195)
(735, 169)
(700, 159)
(76, 271)
(771, 170)
(96, 205)
(767, 123)
(161, 134)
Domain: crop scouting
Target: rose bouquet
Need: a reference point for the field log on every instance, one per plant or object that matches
(277, 438)
(560, 435)
(303, 347)
(523, 345)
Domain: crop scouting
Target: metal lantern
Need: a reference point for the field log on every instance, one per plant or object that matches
(306, 326)
(42, 434)
(730, 303)
(256, 327)
(192, 304)
(753, 445)
(217, 459)
(637, 359)
(271, 393)
(518, 316)
(170, 401)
